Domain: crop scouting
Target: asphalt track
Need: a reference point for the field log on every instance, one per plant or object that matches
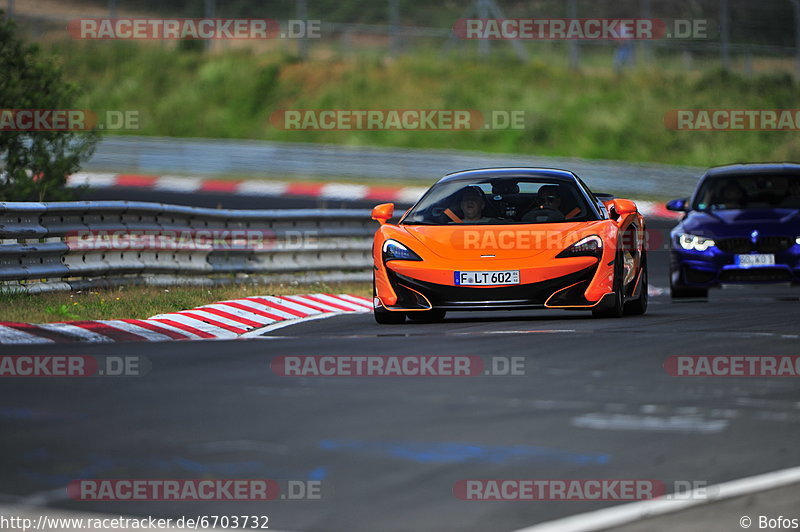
(594, 402)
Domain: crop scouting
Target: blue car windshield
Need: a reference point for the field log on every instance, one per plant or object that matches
(501, 201)
(749, 192)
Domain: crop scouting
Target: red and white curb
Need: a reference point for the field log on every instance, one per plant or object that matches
(222, 320)
(250, 187)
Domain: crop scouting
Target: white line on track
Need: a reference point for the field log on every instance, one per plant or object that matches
(675, 423)
(636, 511)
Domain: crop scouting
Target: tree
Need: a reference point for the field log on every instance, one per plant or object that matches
(36, 163)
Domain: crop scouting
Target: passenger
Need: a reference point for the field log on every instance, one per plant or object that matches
(549, 208)
(792, 199)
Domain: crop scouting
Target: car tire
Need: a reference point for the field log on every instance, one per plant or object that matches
(638, 306)
(617, 309)
(427, 316)
(383, 316)
(388, 317)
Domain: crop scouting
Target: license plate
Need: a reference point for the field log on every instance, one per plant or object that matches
(486, 278)
(759, 259)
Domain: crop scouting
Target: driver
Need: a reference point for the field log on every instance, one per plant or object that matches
(472, 202)
(732, 196)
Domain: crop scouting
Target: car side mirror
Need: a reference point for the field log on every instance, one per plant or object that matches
(677, 205)
(383, 212)
(623, 207)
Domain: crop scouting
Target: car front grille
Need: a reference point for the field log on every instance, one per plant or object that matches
(766, 244)
(699, 276)
(774, 244)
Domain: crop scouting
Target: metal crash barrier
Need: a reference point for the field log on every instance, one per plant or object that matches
(74, 245)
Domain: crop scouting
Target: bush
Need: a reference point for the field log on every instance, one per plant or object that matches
(36, 163)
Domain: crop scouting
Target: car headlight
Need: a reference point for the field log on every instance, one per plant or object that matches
(694, 242)
(394, 250)
(591, 246)
(797, 240)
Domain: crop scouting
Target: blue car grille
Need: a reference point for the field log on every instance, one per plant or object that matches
(767, 244)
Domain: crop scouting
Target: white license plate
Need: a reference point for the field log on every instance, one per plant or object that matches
(486, 278)
(758, 259)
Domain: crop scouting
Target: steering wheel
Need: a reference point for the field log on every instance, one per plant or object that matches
(543, 214)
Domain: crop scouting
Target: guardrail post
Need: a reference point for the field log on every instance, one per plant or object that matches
(574, 51)
(796, 6)
(302, 15)
(724, 33)
(210, 10)
(647, 44)
(394, 24)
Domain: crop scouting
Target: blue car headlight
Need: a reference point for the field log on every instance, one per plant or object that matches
(694, 242)
(591, 246)
(394, 250)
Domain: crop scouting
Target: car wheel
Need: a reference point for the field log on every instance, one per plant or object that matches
(427, 316)
(617, 308)
(638, 306)
(383, 316)
(388, 317)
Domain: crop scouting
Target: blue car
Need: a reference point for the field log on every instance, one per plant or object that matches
(742, 226)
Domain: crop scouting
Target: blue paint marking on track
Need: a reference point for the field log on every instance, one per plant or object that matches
(99, 466)
(452, 452)
(318, 474)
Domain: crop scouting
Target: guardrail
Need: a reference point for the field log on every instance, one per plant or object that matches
(286, 160)
(74, 245)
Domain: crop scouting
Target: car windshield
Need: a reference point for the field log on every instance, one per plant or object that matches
(501, 201)
(749, 192)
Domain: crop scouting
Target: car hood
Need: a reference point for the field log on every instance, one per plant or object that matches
(733, 222)
(502, 241)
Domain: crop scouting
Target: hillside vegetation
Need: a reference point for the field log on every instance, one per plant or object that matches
(595, 113)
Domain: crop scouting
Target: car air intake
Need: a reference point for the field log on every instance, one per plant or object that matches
(756, 275)
(735, 245)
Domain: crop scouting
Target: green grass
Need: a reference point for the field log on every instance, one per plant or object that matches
(137, 302)
(593, 113)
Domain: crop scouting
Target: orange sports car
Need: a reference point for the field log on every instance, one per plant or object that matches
(509, 239)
